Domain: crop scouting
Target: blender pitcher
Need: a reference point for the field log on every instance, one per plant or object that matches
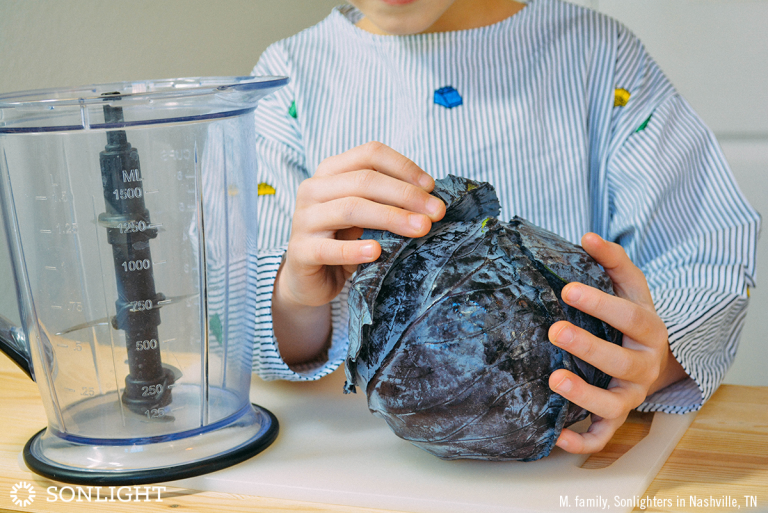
(130, 212)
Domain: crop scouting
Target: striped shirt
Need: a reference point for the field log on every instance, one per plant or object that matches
(564, 112)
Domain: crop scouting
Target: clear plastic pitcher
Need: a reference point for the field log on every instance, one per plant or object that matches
(130, 211)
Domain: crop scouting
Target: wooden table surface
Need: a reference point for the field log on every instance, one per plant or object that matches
(722, 457)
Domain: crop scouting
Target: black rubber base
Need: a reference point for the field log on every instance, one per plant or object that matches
(141, 477)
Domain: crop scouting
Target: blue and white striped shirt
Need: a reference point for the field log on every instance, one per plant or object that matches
(564, 112)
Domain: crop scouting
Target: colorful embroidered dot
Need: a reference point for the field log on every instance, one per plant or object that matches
(265, 189)
(620, 97)
(448, 97)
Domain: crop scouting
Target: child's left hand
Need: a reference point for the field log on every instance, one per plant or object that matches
(643, 363)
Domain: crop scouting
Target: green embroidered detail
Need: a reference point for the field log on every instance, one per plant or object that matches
(644, 124)
(292, 110)
(214, 326)
(485, 221)
(471, 186)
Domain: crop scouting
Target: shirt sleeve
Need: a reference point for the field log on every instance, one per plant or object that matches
(281, 168)
(675, 207)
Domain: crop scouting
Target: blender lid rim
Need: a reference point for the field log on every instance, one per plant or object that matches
(141, 90)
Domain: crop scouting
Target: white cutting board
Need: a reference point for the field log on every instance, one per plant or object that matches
(332, 450)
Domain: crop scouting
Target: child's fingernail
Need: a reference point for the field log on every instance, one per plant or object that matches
(573, 294)
(367, 250)
(425, 181)
(564, 336)
(562, 443)
(434, 205)
(416, 221)
(564, 386)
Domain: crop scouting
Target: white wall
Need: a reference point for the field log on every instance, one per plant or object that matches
(748, 158)
(714, 51)
(56, 43)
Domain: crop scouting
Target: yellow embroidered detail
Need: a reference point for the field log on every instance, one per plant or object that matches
(485, 221)
(233, 190)
(620, 97)
(265, 189)
(471, 186)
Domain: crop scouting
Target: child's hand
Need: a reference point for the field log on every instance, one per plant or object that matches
(371, 186)
(642, 365)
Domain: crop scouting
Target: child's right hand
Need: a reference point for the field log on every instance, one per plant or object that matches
(370, 186)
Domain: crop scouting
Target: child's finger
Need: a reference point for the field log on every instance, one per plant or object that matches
(609, 404)
(634, 320)
(316, 252)
(614, 360)
(628, 280)
(324, 219)
(373, 186)
(379, 157)
(591, 441)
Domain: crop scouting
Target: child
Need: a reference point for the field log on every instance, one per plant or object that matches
(563, 111)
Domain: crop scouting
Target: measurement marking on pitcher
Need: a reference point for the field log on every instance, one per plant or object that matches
(155, 413)
(151, 192)
(133, 226)
(161, 262)
(164, 302)
(127, 193)
(50, 268)
(41, 198)
(141, 305)
(136, 265)
(46, 231)
(146, 345)
(57, 307)
(131, 175)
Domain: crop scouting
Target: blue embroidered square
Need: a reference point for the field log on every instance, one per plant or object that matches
(448, 97)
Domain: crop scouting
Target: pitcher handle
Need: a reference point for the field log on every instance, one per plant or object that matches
(12, 343)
